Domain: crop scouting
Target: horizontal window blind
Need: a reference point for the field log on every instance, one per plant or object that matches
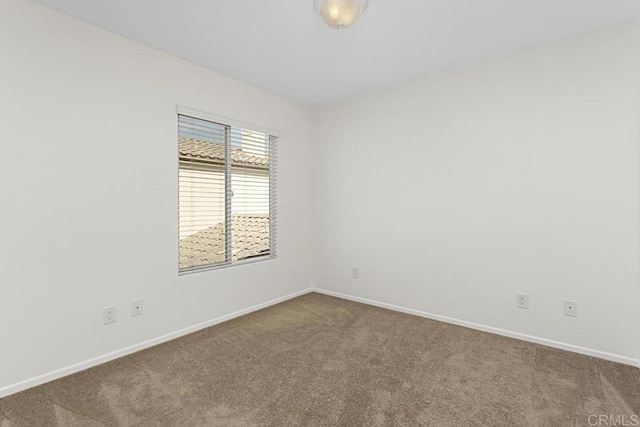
(227, 194)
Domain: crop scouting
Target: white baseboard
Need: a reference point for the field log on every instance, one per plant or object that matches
(59, 373)
(523, 337)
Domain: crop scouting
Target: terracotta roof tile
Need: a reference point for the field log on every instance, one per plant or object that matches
(250, 237)
(198, 149)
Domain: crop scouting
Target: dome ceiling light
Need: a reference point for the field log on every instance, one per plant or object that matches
(340, 13)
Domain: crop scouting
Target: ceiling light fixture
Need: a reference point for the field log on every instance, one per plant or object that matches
(340, 13)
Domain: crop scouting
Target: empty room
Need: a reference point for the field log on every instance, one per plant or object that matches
(320, 213)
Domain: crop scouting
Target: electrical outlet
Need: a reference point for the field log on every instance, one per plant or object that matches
(136, 307)
(355, 273)
(109, 315)
(523, 301)
(570, 308)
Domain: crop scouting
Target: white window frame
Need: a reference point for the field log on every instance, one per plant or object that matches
(273, 183)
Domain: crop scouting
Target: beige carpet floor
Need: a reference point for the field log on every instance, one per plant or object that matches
(323, 361)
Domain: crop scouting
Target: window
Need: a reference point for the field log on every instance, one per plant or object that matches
(227, 194)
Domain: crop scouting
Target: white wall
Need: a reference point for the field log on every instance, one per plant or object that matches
(451, 193)
(89, 187)
(454, 192)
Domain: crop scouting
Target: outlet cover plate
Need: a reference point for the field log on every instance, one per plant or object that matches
(570, 308)
(523, 301)
(109, 315)
(136, 307)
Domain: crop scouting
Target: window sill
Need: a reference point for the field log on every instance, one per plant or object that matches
(225, 266)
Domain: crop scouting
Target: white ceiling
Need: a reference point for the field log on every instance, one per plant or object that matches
(284, 47)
